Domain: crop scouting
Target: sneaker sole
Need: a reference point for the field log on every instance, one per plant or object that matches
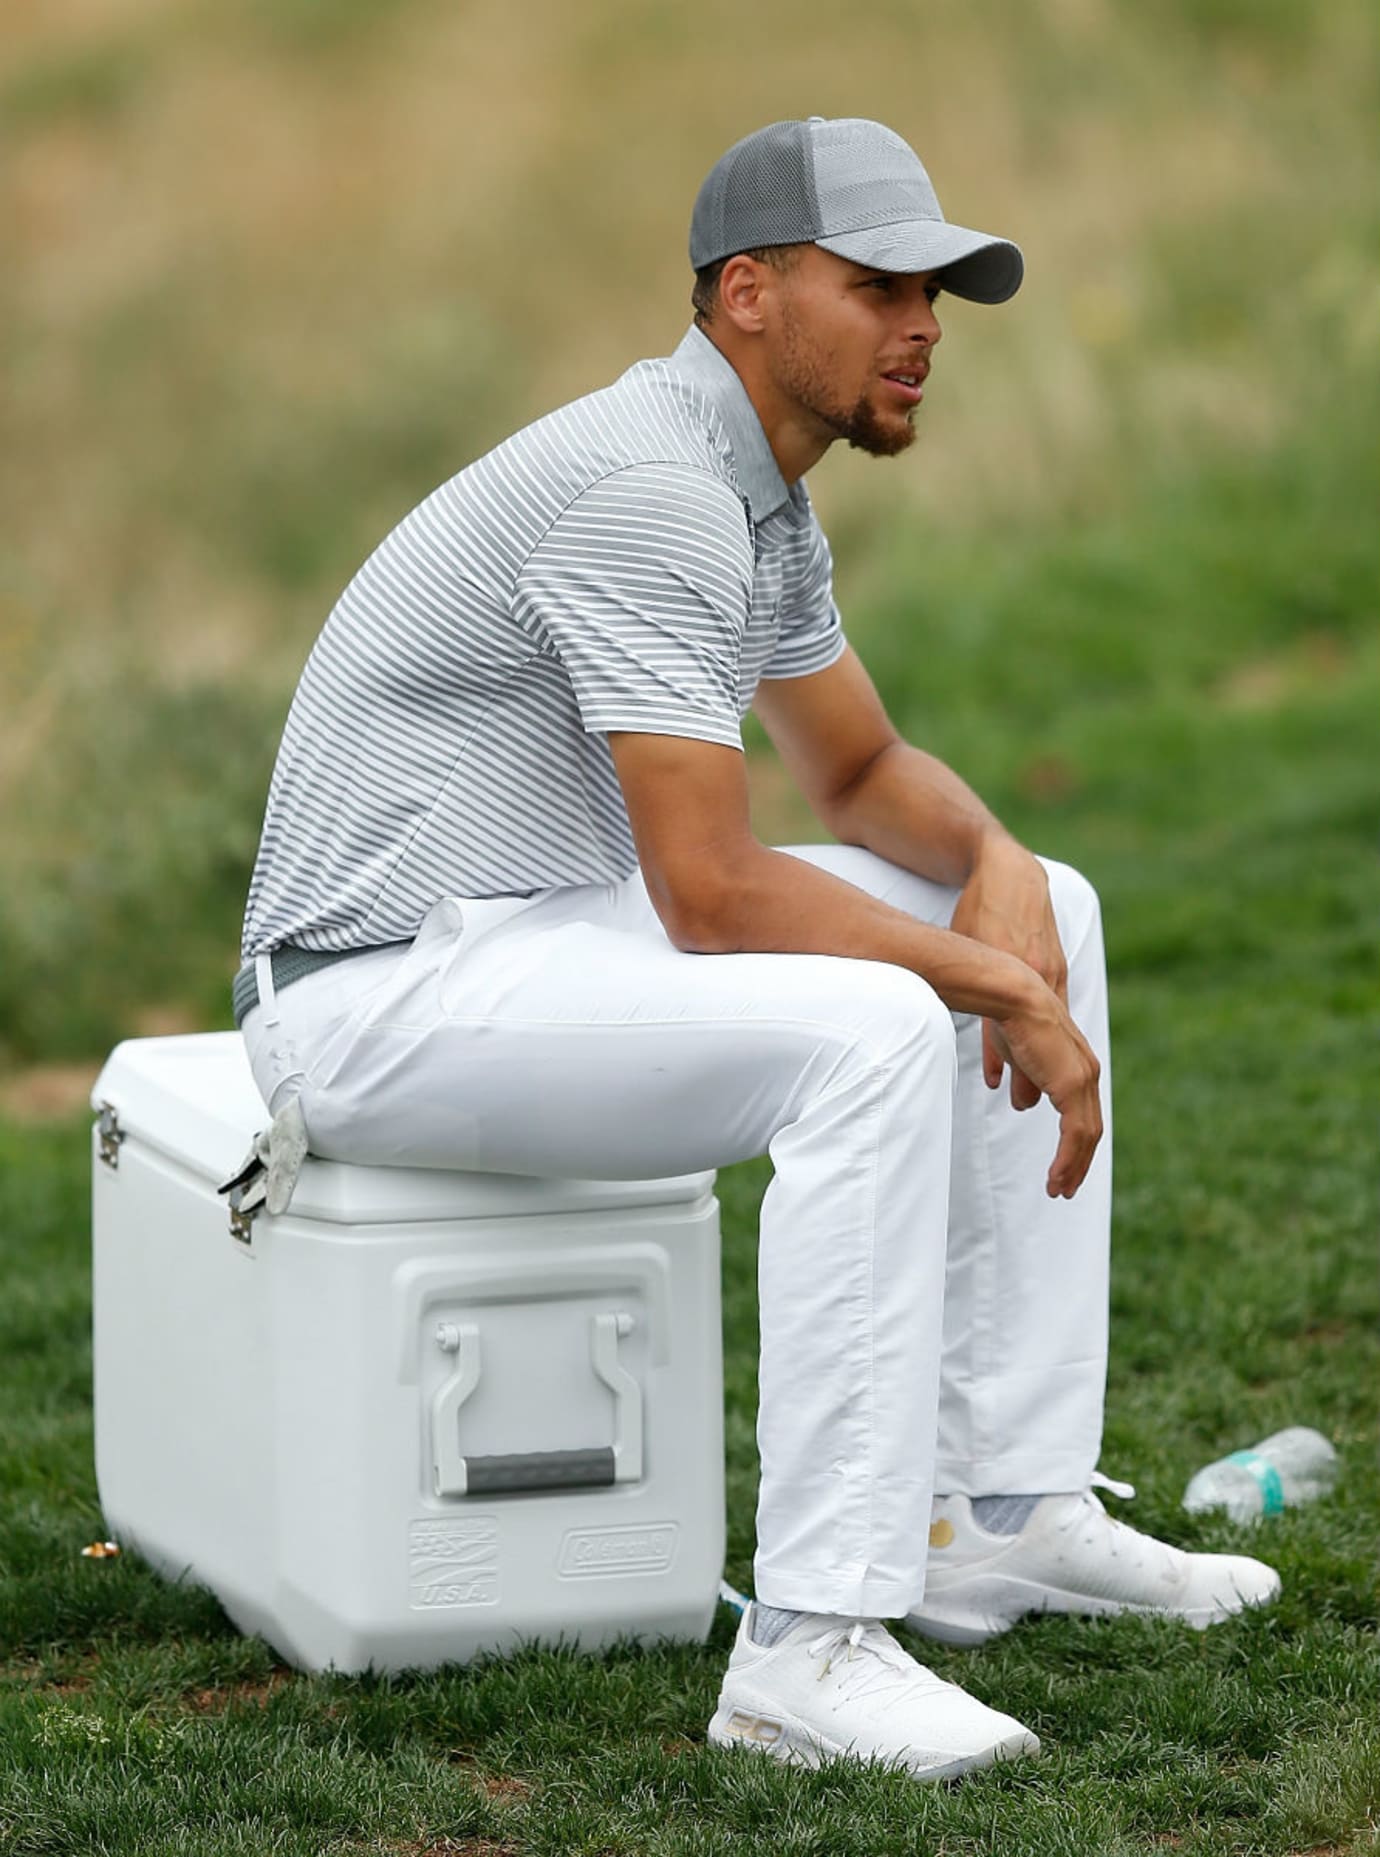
(798, 1746)
(964, 1630)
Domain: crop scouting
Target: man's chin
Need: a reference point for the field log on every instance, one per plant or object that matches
(864, 428)
(882, 441)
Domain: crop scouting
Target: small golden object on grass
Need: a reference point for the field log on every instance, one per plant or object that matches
(101, 1550)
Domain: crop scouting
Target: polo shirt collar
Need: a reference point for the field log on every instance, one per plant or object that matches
(759, 476)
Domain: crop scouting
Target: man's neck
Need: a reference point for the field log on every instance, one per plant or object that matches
(797, 439)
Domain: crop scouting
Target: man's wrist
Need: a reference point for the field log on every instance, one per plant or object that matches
(996, 850)
(1000, 987)
(1022, 992)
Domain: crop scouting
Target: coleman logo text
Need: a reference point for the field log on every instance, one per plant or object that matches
(589, 1552)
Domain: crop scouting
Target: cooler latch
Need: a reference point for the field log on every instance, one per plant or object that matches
(109, 1133)
(242, 1223)
(268, 1173)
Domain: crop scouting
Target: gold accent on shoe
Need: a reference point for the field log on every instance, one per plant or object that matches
(759, 1728)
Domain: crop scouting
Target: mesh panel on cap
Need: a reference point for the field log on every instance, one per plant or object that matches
(760, 193)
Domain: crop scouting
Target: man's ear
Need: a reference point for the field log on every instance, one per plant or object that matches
(742, 284)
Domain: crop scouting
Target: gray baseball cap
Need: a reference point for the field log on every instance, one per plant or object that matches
(854, 188)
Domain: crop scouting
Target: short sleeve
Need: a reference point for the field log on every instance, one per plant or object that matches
(811, 635)
(641, 588)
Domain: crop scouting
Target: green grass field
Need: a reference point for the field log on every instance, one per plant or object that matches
(1200, 738)
(270, 281)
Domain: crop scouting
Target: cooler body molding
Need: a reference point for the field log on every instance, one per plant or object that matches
(420, 1415)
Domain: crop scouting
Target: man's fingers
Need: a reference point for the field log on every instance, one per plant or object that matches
(1070, 1166)
(996, 1055)
(992, 1060)
(1078, 1139)
(1024, 1093)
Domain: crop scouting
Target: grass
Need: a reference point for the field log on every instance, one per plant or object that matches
(1218, 780)
(133, 1720)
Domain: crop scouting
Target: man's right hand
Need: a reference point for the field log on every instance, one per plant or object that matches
(1043, 1042)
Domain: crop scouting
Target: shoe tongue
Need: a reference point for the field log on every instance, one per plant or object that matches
(1069, 1505)
(871, 1637)
(873, 1663)
(820, 1624)
(873, 1640)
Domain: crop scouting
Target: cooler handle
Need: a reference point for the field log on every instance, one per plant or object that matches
(594, 1468)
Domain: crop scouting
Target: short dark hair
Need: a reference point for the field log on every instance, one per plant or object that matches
(705, 295)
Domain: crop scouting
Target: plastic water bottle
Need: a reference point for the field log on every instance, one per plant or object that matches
(1289, 1467)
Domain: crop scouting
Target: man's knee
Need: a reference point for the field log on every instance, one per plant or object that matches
(898, 1014)
(1075, 902)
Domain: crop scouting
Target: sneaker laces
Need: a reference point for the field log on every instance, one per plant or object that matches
(880, 1666)
(1125, 1490)
(1088, 1510)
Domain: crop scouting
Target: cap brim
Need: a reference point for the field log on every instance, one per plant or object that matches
(974, 264)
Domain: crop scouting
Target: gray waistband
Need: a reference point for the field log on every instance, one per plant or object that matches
(290, 964)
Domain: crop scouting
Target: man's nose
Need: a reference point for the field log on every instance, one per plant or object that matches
(925, 324)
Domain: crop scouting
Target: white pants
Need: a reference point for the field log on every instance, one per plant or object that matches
(929, 1318)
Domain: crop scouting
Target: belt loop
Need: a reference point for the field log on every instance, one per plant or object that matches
(268, 994)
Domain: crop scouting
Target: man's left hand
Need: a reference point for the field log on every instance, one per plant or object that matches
(1005, 903)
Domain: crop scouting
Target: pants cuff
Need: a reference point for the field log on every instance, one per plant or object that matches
(1015, 1473)
(868, 1596)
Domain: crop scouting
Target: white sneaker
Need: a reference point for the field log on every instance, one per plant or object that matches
(834, 1686)
(1072, 1557)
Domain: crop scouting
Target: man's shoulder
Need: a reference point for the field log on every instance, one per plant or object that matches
(648, 449)
(652, 415)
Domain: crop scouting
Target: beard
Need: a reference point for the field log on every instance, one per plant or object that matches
(802, 371)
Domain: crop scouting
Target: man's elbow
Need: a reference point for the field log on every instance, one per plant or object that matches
(700, 937)
(701, 914)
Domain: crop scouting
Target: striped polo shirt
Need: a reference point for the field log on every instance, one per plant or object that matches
(632, 561)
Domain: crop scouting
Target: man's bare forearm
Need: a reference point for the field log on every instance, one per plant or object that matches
(765, 901)
(911, 809)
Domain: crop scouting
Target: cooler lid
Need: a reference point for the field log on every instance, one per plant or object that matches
(193, 1099)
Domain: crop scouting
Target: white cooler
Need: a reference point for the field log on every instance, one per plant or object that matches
(418, 1416)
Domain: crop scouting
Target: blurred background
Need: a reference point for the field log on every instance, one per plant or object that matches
(271, 269)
